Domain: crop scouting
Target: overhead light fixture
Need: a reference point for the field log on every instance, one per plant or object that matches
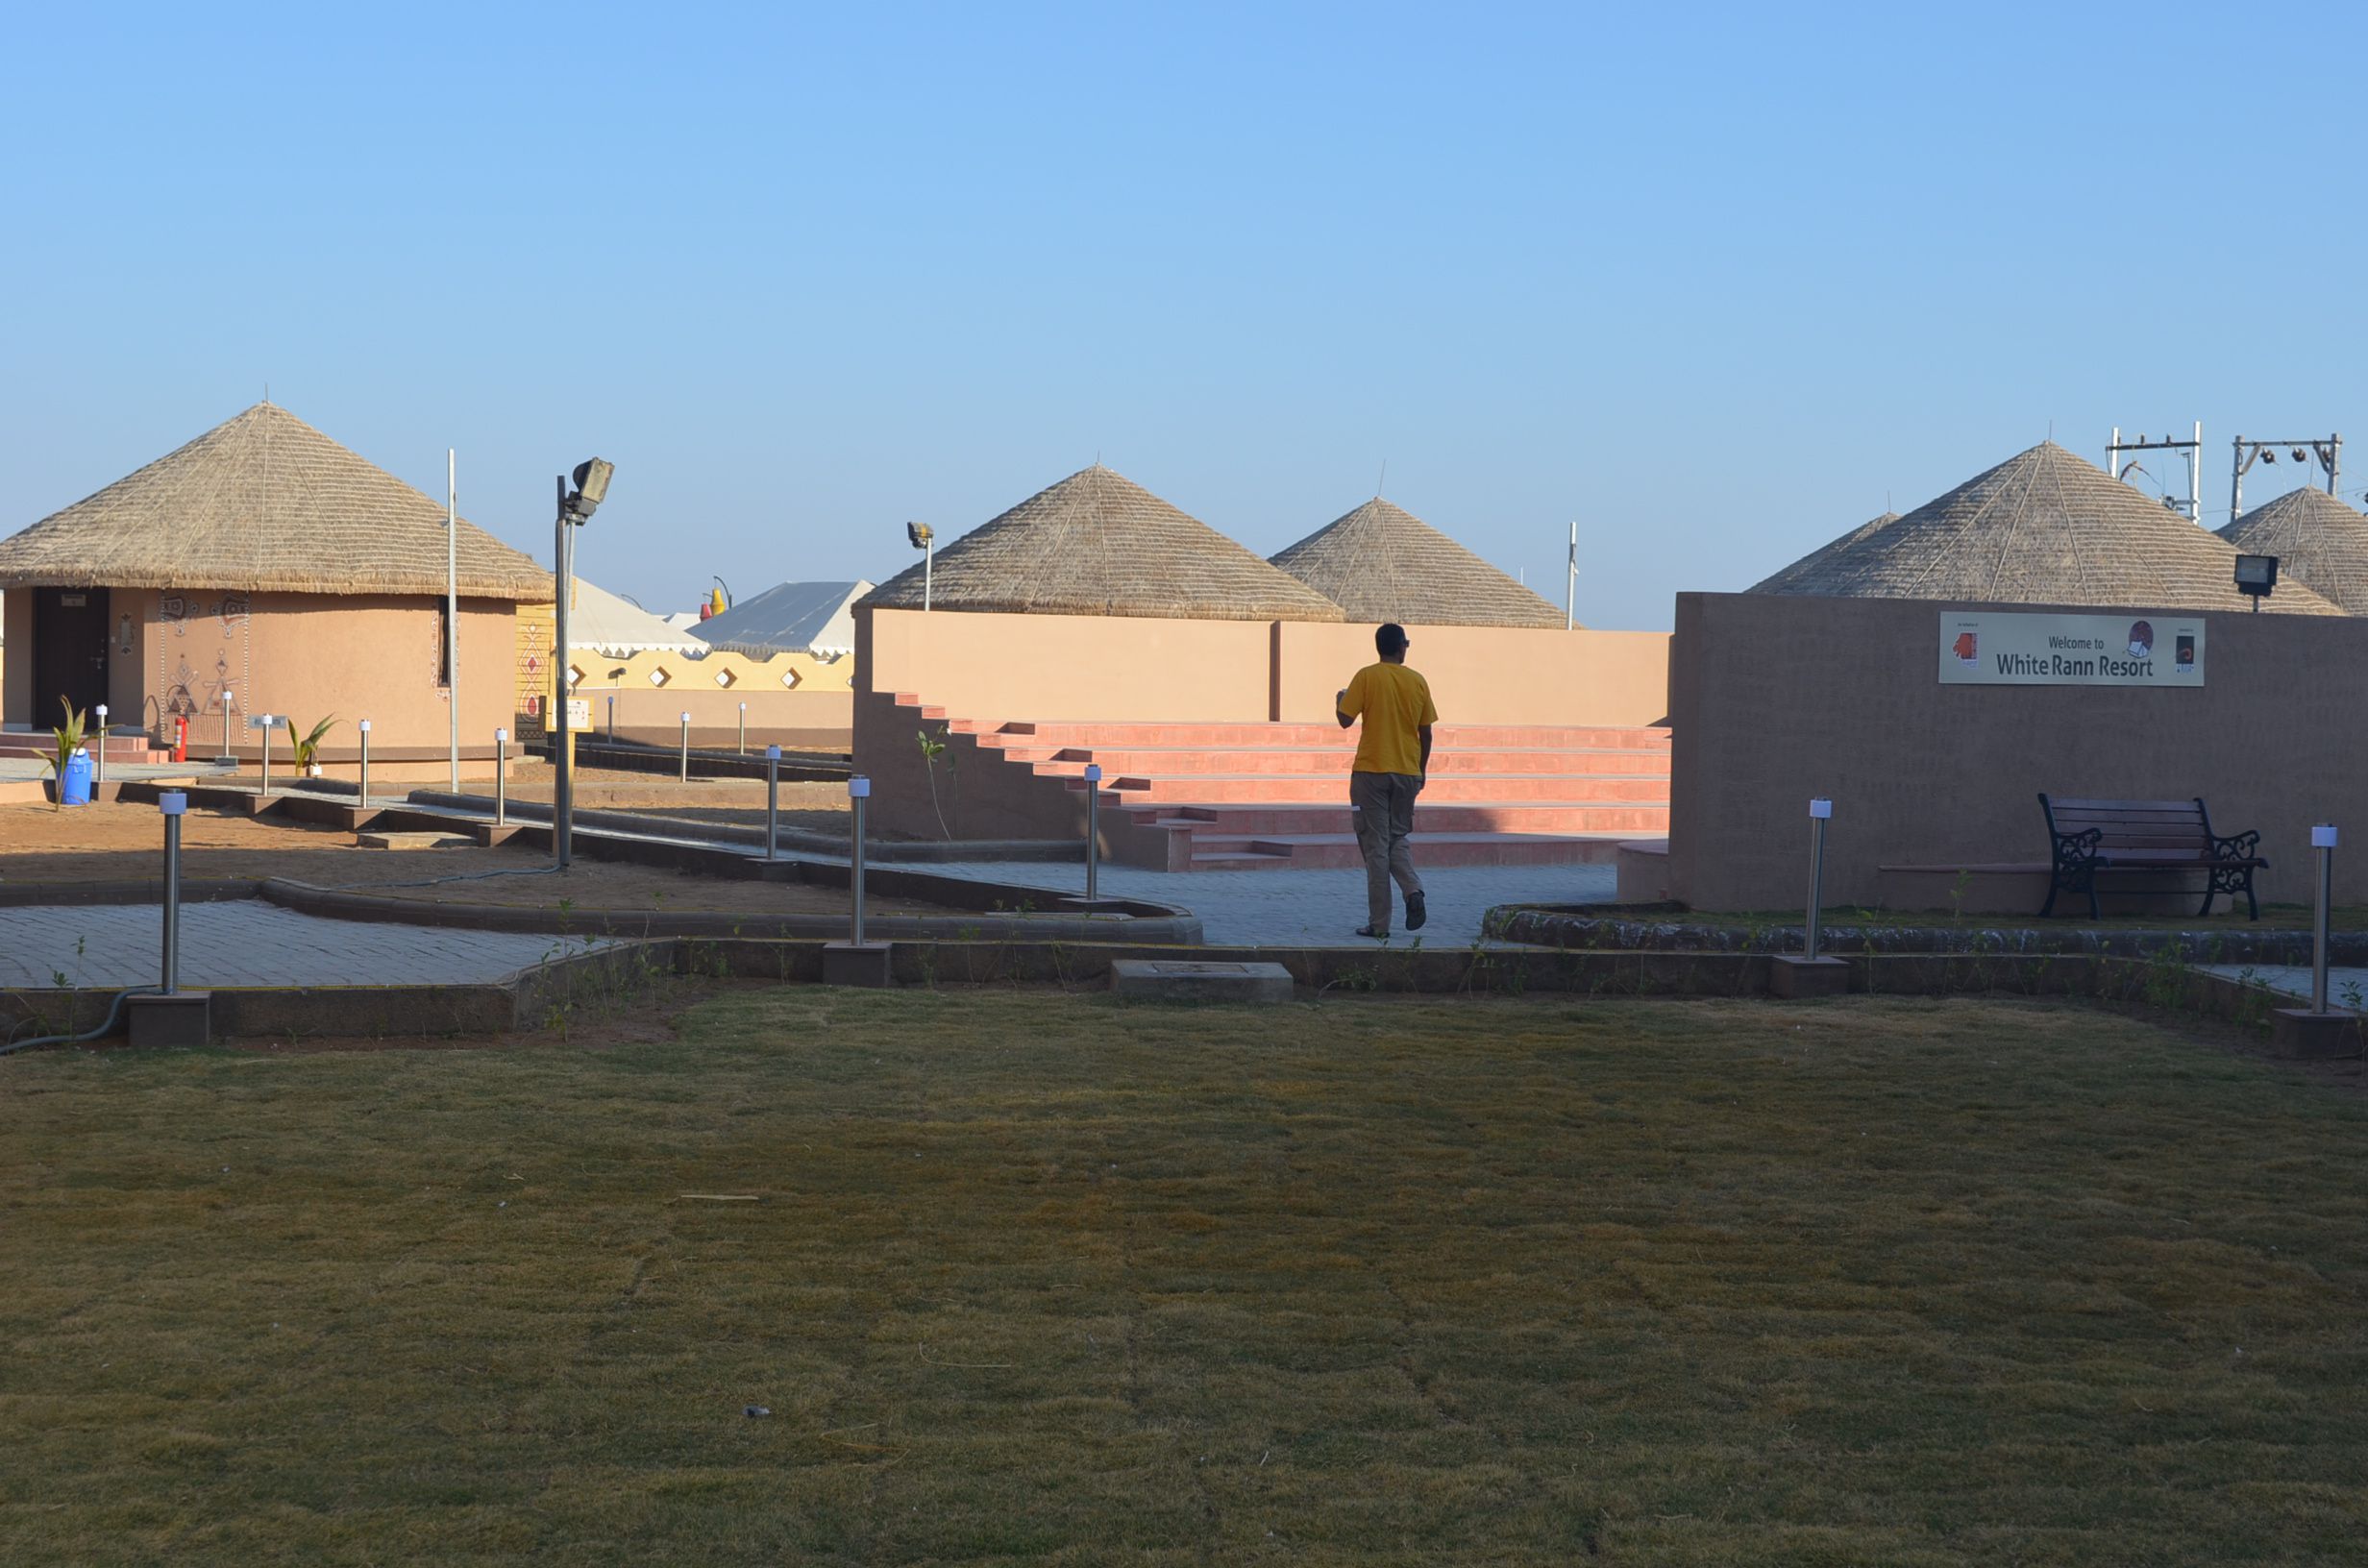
(2257, 577)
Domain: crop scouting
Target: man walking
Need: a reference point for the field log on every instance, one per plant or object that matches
(1394, 757)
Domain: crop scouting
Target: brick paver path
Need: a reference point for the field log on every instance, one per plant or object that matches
(249, 943)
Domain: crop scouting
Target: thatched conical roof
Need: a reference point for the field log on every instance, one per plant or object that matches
(1099, 544)
(2043, 528)
(263, 502)
(1381, 562)
(2319, 542)
(1809, 566)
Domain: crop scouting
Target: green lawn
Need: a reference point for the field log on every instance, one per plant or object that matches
(1038, 1278)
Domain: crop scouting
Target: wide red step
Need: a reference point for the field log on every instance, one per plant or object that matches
(1120, 733)
(1210, 788)
(1268, 821)
(1069, 761)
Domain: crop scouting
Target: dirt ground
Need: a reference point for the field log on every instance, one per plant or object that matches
(123, 842)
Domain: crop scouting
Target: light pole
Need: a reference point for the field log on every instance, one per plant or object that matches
(591, 478)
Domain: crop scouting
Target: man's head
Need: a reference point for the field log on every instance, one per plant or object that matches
(1389, 641)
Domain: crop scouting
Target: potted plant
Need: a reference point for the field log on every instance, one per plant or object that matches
(69, 738)
(308, 749)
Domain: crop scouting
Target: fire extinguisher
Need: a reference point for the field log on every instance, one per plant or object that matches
(180, 737)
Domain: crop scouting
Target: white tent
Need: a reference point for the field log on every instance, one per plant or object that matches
(790, 617)
(598, 618)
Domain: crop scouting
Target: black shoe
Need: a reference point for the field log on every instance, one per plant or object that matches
(1368, 931)
(1415, 914)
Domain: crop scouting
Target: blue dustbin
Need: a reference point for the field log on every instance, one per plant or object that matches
(74, 790)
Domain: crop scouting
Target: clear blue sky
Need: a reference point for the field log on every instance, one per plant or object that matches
(1717, 284)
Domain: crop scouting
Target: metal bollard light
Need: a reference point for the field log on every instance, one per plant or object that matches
(364, 727)
(773, 799)
(2322, 844)
(743, 729)
(1092, 831)
(266, 721)
(612, 719)
(172, 803)
(99, 758)
(1819, 811)
(230, 701)
(686, 748)
(859, 790)
(501, 779)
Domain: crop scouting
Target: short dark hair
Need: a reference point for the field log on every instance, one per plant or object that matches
(1390, 638)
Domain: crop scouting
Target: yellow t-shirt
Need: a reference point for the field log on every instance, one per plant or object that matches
(1395, 702)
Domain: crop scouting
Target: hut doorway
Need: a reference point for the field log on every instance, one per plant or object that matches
(69, 651)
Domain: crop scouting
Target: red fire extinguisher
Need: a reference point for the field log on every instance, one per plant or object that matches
(180, 737)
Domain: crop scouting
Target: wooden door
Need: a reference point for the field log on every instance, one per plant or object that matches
(69, 652)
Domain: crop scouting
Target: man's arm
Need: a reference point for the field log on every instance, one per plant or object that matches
(1426, 734)
(1339, 708)
(1350, 701)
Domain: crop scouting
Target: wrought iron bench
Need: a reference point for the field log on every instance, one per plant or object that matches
(2162, 836)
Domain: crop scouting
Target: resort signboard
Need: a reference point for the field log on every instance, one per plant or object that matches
(1990, 648)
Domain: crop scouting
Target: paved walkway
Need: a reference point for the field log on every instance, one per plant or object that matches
(2345, 987)
(249, 943)
(1309, 909)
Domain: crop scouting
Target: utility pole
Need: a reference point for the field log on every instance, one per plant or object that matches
(452, 605)
(2191, 450)
(2327, 451)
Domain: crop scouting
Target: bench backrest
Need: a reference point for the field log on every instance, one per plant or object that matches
(2167, 826)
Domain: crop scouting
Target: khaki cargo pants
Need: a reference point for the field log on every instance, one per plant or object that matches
(1384, 807)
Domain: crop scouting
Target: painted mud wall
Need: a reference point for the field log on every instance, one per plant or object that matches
(1778, 697)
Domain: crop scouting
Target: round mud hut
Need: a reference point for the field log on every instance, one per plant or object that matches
(2320, 544)
(2043, 528)
(1381, 562)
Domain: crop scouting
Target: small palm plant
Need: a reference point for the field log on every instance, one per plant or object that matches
(69, 737)
(308, 749)
(932, 747)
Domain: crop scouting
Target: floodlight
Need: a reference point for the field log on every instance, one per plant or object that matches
(2256, 575)
(918, 534)
(591, 478)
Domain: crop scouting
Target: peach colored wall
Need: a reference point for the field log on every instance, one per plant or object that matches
(1122, 667)
(1776, 698)
(1488, 674)
(1067, 665)
(310, 655)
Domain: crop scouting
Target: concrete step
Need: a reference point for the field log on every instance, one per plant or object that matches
(1069, 761)
(1223, 789)
(1246, 823)
(1120, 733)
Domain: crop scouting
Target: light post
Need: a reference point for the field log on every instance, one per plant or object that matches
(230, 701)
(364, 729)
(1092, 831)
(743, 729)
(501, 779)
(576, 506)
(263, 720)
(859, 790)
(1820, 812)
(773, 797)
(100, 776)
(2322, 846)
(686, 748)
(172, 803)
(923, 538)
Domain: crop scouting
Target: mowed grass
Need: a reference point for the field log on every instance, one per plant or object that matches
(1045, 1279)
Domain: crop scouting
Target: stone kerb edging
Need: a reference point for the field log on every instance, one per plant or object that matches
(361, 905)
(1575, 929)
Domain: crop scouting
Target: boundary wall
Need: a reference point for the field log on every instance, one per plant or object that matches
(1778, 697)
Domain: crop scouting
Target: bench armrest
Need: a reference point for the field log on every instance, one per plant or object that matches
(2076, 849)
(2238, 846)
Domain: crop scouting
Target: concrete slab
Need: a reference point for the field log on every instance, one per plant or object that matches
(181, 1020)
(414, 841)
(1198, 980)
(2298, 1033)
(1795, 978)
(858, 964)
